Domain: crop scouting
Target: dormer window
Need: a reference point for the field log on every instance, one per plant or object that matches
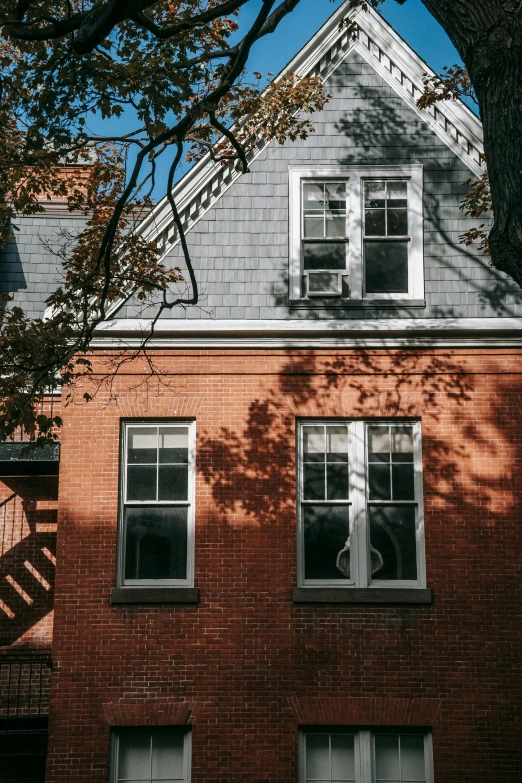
(356, 233)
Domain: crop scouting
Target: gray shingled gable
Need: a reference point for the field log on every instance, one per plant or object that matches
(240, 246)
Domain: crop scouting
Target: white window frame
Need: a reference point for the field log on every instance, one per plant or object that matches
(358, 504)
(354, 176)
(114, 748)
(190, 503)
(365, 749)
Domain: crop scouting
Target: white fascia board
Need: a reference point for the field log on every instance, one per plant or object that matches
(385, 333)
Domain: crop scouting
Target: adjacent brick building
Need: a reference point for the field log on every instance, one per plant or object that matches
(294, 555)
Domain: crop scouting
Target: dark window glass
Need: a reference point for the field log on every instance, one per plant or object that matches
(324, 255)
(141, 482)
(375, 223)
(156, 542)
(313, 481)
(337, 481)
(386, 267)
(173, 482)
(403, 482)
(326, 530)
(392, 535)
(379, 481)
(397, 223)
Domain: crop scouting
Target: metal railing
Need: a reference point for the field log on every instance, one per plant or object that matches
(24, 705)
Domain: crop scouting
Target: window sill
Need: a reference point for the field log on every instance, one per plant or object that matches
(337, 302)
(357, 595)
(155, 595)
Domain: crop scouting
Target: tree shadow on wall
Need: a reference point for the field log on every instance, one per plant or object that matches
(252, 470)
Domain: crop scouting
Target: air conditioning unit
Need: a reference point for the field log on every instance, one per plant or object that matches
(323, 283)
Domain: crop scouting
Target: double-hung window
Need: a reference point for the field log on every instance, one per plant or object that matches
(356, 233)
(140, 755)
(363, 756)
(360, 519)
(157, 509)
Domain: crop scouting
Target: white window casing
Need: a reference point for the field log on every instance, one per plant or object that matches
(149, 755)
(157, 497)
(354, 755)
(338, 528)
(352, 286)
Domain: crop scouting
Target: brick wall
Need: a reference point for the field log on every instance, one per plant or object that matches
(246, 667)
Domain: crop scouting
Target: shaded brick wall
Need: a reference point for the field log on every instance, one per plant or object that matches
(246, 667)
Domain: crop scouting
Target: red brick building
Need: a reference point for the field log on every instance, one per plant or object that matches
(294, 555)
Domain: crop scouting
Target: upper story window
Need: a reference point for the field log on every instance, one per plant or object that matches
(150, 756)
(356, 233)
(156, 529)
(363, 756)
(360, 504)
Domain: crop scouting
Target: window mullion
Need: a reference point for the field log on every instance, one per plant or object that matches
(360, 556)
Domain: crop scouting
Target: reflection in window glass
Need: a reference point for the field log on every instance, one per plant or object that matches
(330, 758)
(385, 222)
(399, 758)
(324, 222)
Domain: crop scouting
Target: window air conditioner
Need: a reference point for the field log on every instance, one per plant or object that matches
(323, 283)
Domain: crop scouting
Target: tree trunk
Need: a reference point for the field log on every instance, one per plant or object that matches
(488, 36)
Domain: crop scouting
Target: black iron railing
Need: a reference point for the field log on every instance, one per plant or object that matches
(24, 705)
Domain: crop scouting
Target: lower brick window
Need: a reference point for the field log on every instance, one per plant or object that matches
(160, 755)
(360, 520)
(364, 756)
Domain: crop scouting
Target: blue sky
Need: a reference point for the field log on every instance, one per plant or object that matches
(411, 20)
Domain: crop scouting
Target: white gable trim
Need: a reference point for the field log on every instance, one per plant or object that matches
(393, 60)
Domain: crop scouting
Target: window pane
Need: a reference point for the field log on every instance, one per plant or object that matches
(173, 444)
(134, 755)
(379, 445)
(142, 444)
(403, 482)
(402, 444)
(379, 482)
(313, 481)
(375, 223)
(397, 194)
(387, 757)
(314, 224)
(167, 756)
(335, 224)
(173, 482)
(392, 535)
(412, 758)
(386, 267)
(314, 444)
(313, 195)
(337, 443)
(337, 481)
(374, 194)
(343, 757)
(335, 193)
(317, 757)
(324, 255)
(141, 482)
(156, 543)
(397, 223)
(325, 533)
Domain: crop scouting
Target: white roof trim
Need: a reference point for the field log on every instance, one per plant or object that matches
(396, 63)
(377, 333)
